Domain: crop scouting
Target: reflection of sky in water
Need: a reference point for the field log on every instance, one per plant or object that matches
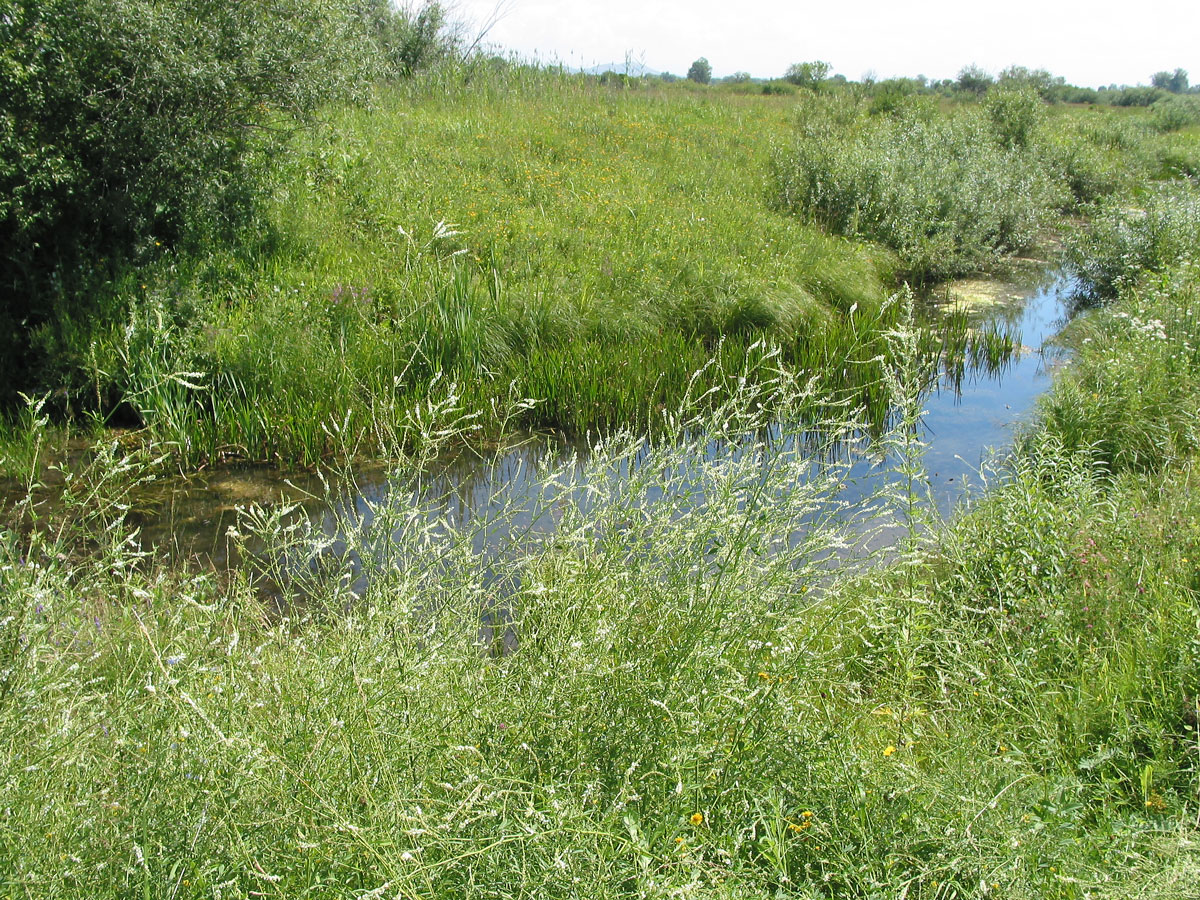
(503, 502)
(961, 427)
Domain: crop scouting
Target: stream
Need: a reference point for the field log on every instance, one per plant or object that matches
(501, 500)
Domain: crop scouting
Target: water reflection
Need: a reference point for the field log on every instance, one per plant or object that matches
(504, 505)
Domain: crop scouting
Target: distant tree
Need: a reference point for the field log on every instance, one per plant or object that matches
(615, 79)
(1038, 80)
(807, 74)
(1176, 82)
(700, 71)
(1133, 96)
(737, 78)
(974, 80)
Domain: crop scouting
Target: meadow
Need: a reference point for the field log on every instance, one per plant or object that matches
(554, 239)
(703, 683)
(533, 235)
(693, 706)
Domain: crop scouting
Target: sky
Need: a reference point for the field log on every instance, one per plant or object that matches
(1089, 43)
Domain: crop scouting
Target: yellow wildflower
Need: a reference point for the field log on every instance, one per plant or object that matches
(697, 818)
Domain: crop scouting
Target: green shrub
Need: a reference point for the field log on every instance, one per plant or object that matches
(946, 193)
(130, 126)
(778, 88)
(410, 40)
(1016, 115)
(1175, 113)
(1122, 244)
(1134, 96)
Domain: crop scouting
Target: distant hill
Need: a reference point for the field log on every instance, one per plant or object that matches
(633, 69)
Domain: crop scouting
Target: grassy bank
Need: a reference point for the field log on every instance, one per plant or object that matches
(530, 235)
(537, 236)
(681, 692)
(503, 234)
(695, 706)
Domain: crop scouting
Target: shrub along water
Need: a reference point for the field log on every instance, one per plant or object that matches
(130, 128)
(950, 194)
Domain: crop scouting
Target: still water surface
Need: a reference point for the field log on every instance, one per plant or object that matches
(502, 501)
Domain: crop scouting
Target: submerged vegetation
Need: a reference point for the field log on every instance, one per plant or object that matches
(702, 682)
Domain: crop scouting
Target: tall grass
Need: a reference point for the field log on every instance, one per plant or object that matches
(691, 699)
(525, 234)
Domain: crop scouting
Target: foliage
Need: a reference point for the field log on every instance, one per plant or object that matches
(127, 126)
(1133, 96)
(776, 88)
(1017, 116)
(605, 245)
(974, 80)
(1039, 80)
(948, 194)
(1129, 401)
(1176, 82)
(893, 94)
(681, 701)
(700, 71)
(807, 74)
(1122, 244)
(410, 40)
(690, 686)
(1175, 113)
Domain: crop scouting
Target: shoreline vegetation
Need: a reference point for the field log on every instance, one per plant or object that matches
(677, 693)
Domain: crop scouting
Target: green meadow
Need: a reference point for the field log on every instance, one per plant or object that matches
(547, 239)
(717, 677)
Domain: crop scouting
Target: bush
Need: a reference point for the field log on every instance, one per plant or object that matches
(1175, 113)
(1134, 96)
(974, 80)
(945, 193)
(1016, 115)
(1122, 245)
(410, 41)
(131, 126)
(807, 74)
(775, 88)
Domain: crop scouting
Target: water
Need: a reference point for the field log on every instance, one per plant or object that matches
(503, 502)
(962, 427)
